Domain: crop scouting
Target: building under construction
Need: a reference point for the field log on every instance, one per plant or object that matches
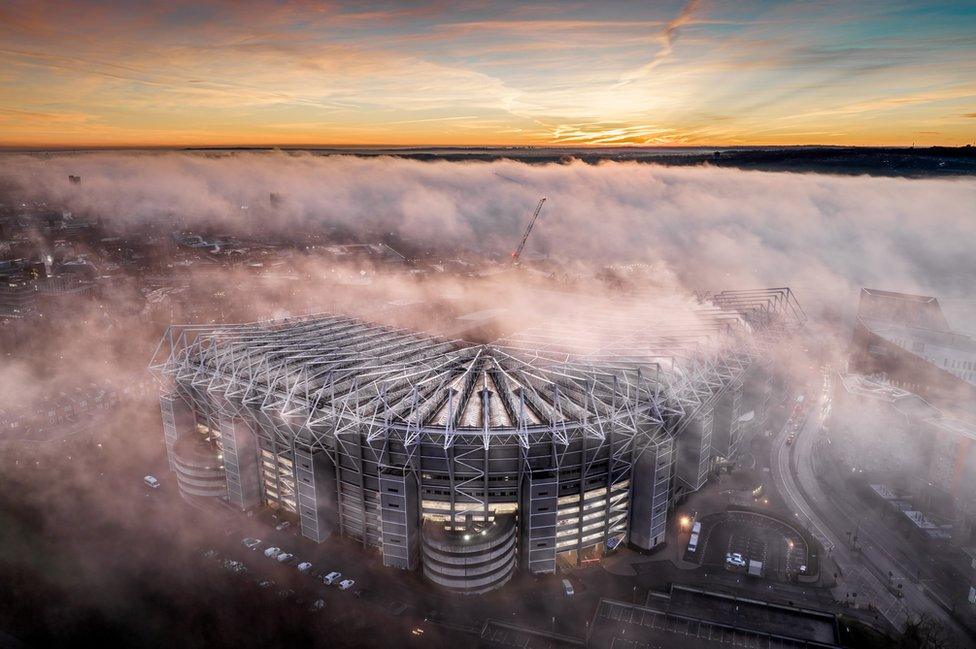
(472, 461)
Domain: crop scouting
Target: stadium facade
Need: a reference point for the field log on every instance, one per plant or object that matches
(472, 461)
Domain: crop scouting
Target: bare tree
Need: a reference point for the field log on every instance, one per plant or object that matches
(925, 632)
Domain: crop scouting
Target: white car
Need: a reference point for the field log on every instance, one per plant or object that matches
(735, 559)
(151, 481)
(304, 566)
(272, 552)
(283, 525)
(346, 584)
(251, 544)
(285, 556)
(331, 578)
(568, 588)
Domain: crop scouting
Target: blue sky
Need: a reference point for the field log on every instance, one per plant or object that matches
(571, 73)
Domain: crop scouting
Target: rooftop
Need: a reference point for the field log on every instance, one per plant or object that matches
(916, 323)
(692, 617)
(908, 403)
(552, 376)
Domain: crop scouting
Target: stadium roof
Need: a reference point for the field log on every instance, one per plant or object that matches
(559, 374)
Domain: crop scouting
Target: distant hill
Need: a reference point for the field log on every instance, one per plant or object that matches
(875, 161)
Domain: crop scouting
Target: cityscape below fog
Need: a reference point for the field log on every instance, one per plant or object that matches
(535, 325)
(342, 425)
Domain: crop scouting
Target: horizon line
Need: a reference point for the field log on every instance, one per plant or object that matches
(487, 147)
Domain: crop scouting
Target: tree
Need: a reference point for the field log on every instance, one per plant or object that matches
(925, 632)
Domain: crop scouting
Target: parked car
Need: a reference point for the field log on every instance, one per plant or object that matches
(272, 552)
(266, 583)
(283, 525)
(346, 584)
(331, 578)
(251, 544)
(735, 559)
(304, 567)
(151, 481)
(285, 557)
(235, 567)
(317, 605)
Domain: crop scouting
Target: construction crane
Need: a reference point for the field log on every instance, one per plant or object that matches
(528, 230)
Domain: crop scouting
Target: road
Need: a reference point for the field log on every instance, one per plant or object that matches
(864, 571)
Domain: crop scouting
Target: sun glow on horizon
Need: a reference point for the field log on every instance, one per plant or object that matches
(610, 74)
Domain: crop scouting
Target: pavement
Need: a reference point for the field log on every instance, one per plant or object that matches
(868, 573)
(713, 499)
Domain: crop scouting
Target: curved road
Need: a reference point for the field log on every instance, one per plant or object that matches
(865, 571)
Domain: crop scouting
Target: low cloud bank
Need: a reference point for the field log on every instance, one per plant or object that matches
(696, 228)
(711, 227)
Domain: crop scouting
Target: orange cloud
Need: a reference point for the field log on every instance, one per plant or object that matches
(332, 73)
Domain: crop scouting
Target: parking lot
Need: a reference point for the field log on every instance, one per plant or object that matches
(782, 553)
(750, 547)
(384, 593)
(281, 537)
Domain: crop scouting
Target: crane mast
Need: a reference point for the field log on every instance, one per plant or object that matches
(528, 230)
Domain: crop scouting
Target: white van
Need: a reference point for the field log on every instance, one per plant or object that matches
(695, 533)
(331, 578)
(151, 481)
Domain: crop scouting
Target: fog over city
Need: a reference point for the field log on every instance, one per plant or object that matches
(691, 230)
(629, 241)
(549, 325)
(710, 227)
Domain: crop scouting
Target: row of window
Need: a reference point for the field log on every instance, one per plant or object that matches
(956, 364)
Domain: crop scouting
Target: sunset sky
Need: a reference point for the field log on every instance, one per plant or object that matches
(486, 73)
